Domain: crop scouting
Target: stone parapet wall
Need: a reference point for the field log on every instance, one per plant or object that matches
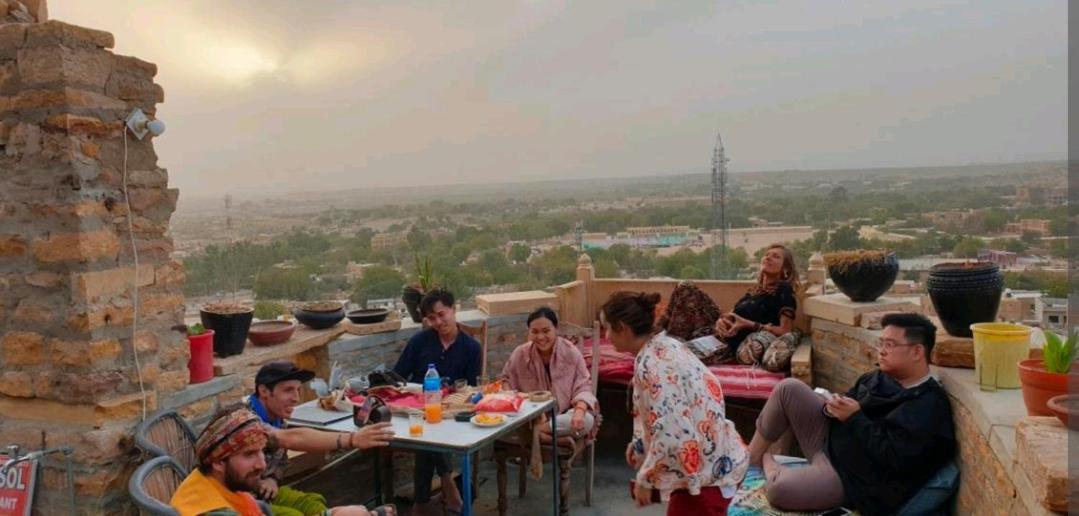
(69, 373)
(991, 482)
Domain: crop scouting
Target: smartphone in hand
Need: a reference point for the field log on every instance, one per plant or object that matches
(824, 393)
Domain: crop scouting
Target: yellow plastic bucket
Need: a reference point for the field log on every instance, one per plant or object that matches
(998, 348)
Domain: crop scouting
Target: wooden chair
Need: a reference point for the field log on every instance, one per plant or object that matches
(504, 450)
(165, 433)
(153, 484)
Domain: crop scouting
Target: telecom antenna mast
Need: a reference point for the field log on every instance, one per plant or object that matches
(720, 268)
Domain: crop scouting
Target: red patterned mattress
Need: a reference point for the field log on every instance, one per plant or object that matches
(738, 381)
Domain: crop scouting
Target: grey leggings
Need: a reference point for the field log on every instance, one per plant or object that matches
(794, 407)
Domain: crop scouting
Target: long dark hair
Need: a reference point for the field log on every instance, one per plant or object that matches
(634, 310)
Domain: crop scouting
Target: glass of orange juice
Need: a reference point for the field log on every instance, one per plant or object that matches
(415, 424)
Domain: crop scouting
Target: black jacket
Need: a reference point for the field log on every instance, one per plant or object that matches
(886, 451)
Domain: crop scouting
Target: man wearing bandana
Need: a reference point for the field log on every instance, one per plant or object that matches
(231, 463)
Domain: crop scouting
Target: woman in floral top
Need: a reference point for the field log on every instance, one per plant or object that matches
(684, 447)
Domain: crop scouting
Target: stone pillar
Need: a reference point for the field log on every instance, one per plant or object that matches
(68, 372)
(587, 274)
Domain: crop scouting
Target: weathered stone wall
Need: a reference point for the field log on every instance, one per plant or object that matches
(984, 487)
(841, 354)
(67, 268)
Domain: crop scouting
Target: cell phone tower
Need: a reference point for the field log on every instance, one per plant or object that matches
(719, 210)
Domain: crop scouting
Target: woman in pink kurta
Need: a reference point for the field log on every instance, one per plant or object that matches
(548, 362)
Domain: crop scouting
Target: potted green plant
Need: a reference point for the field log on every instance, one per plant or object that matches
(201, 363)
(1048, 376)
(413, 293)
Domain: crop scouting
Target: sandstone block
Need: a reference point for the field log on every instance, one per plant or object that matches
(77, 247)
(61, 65)
(839, 308)
(38, 9)
(130, 87)
(146, 342)
(31, 312)
(99, 317)
(66, 98)
(17, 384)
(198, 409)
(952, 351)
(134, 66)
(172, 381)
(152, 178)
(515, 302)
(161, 306)
(82, 353)
(53, 32)
(12, 36)
(12, 245)
(8, 77)
(170, 274)
(22, 348)
(1041, 453)
(93, 446)
(110, 282)
(84, 125)
(23, 139)
(43, 279)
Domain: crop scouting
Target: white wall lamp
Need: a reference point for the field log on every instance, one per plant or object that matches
(139, 124)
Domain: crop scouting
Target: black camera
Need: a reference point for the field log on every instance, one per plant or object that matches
(372, 410)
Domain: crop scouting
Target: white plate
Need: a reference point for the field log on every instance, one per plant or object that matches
(488, 425)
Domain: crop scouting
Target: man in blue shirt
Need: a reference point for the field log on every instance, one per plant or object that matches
(456, 356)
(277, 392)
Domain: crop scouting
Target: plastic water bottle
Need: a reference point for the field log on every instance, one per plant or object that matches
(432, 395)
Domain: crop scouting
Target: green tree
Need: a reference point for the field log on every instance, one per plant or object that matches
(1030, 237)
(275, 283)
(691, 272)
(844, 238)
(1059, 248)
(1008, 244)
(378, 282)
(994, 221)
(519, 253)
(968, 247)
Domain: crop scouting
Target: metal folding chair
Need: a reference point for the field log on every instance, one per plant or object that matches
(165, 433)
(153, 484)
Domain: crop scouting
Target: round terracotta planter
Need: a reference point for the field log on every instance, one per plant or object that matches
(1039, 386)
(268, 333)
(1066, 408)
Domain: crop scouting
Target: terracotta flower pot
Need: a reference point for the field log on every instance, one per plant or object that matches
(268, 333)
(1039, 385)
(1066, 408)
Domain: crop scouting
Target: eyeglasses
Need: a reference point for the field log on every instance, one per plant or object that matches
(890, 344)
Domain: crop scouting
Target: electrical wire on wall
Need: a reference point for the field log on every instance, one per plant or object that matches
(134, 280)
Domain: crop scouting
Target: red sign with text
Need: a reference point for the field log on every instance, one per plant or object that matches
(17, 487)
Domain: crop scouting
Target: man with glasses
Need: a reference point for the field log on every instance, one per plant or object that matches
(873, 447)
(456, 355)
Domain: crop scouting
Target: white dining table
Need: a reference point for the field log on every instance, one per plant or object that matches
(450, 436)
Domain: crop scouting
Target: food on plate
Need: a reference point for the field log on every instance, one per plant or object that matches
(484, 418)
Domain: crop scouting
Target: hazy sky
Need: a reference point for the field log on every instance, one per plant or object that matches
(315, 95)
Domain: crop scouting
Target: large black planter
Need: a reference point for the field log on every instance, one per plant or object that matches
(964, 294)
(320, 318)
(866, 280)
(412, 296)
(230, 330)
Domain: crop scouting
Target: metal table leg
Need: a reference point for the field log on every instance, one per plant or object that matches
(554, 459)
(466, 484)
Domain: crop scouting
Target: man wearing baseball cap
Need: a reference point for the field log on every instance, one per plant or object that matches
(231, 463)
(277, 392)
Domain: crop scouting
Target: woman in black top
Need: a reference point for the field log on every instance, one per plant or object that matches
(760, 329)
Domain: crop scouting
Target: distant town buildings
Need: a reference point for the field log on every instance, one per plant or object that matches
(1040, 194)
(1052, 312)
(1039, 226)
(949, 218)
(388, 240)
(657, 231)
(1001, 258)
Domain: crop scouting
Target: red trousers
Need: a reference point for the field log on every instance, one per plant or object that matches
(709, 503)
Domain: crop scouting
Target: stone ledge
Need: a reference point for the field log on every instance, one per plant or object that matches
(302, 340)
(1042, 443)
(516, 302)
(839, 308)
(198, 391)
